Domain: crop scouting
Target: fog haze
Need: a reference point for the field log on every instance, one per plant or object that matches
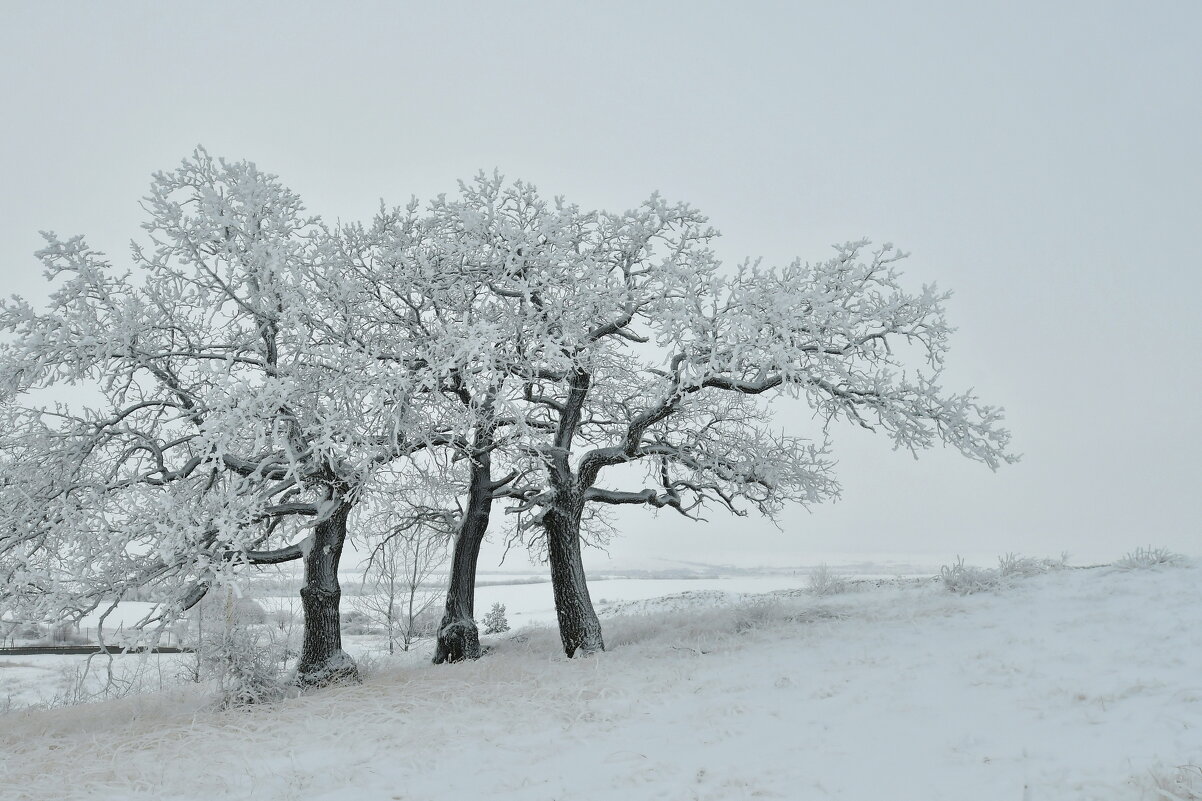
(1041, 160)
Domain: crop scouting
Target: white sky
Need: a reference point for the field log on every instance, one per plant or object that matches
(1043, 160)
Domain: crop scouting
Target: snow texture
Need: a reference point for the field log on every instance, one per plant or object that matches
(1071, 684)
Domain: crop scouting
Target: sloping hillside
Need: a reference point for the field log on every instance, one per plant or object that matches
(1079, 684)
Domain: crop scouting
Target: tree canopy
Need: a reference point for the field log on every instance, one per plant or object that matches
(254, 374)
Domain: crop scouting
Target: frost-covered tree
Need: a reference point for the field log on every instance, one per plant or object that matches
(258, 371)
(220, 417)
(458, 636)
(636, 345)
(422, 273)
(495, 621)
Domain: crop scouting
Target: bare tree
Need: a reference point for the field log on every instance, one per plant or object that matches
(399, 579)
(283, 630)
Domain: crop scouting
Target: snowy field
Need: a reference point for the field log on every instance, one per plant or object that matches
(42, 678)
(1079, 684)
(51, 679)
(528, 604)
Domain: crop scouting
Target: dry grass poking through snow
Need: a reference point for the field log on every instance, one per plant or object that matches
(1180, 783)
(1150, 558)
(1075, 684)
(967, 579)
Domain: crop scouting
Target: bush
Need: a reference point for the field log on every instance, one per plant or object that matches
(757, 613)
(1149, 558)
(426, 622)
(823, 581)
(1014, 566)
(233, 647)
(966, 579)
(494, 622)
(245, 667)
(69, 634)
(250, 611)
(357, 625)
(29, 631)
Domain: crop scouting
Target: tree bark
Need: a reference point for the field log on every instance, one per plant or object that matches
(458, 636)
(322, 660)
(579, 628)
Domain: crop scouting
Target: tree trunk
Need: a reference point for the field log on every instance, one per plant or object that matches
(322, 660)
(579, 628)
(458, 637)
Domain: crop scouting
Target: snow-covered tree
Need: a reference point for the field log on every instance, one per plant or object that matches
(495, 621)
(248, 383)
(636, 345)
(220, 416)
(421, 273)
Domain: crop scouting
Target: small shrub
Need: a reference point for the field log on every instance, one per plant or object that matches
(73, 686)
(360, 622)
(763, 612)
(101, 678)
(368, 664)
(64, 634)
(495, 622)
(823, 581)
(233, 648)
(246, 669)
(966, 579)
(250, 611)
(29, 631)
(426, 622)
(1015, 566)
(1149, 558)
(359, 628)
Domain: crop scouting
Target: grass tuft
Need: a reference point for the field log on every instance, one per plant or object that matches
(967, 579)
(1149, 558)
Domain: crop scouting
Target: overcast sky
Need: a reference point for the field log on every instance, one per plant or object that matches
(1042, 160)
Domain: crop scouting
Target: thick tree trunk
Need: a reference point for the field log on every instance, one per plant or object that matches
(322, 660)
(458, 637)
(579, 628)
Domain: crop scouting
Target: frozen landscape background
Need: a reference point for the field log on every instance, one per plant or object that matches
(1069, 684)
(1039, 159)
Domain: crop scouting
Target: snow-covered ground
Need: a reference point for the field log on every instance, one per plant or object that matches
(42, 678)
(1079, 684)
(58, 678)
(534, 603)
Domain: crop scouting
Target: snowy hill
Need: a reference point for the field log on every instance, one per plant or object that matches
(1078, 684)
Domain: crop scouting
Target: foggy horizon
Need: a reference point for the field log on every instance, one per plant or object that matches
(1040, 163)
